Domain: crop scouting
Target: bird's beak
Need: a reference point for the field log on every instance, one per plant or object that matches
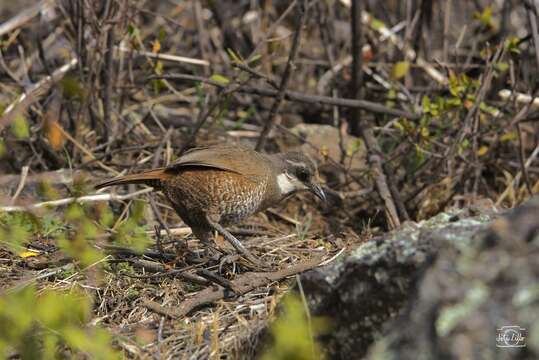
(317, 190)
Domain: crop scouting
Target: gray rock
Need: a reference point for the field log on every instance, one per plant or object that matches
(436, 289)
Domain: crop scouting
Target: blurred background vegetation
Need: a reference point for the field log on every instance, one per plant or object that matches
(83, 98)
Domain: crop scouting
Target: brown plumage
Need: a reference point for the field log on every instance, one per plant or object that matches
(213, 186)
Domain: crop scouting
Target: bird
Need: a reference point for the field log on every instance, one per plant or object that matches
(211, 187)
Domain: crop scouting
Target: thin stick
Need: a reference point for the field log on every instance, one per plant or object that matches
(301, 97)
(81, 199)
(107, 88)
(517, 177)
(520, 98)
(532, 18)
(290, 64)
(375, 155)
(24, 174)
(165, 57)
(24, 16)
(521, 155)
(215, 278)
(85, 150)
(272, 28)
(33, 94)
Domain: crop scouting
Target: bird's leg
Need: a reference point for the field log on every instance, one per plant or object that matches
(205, 237)
(236, 244)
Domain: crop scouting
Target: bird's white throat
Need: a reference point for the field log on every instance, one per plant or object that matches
(286, 186)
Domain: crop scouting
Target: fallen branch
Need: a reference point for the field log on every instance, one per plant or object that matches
(243, 284)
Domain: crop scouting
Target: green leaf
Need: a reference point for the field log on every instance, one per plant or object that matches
(400, 69)
(502, 66)
(133, 30)
(35, 331)
(482, 150)
(223, 80)
(3, 149)
(485, 17)
(511, 45)
(72, 88)
(377, 24)
(161, 35)
(255, 59)
(425, 104)
(509, 136)
(235, 57)
(293, 333)
(19, 127)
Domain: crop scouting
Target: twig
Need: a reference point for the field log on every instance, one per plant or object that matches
(214, 278)
(290, 64)
(300, 97)
(85, 150)
(26, 282)
(159, 268)
(60, 176)
(258, 74)
(82, 199)
(166, 57)
(532, 18)
(157, 214)
(521, 160)
(24, 174)
(520, 98)
(523, 165)
(356, 83)
(409, 53)
(108, 74)
(243, 284)
(203, 116)
(203, 37)
(272, 28)
(24, 16)
(121, 250)
(330, 260)
(517, 177)
(33, 94)
(375, 154)
(173, 231)
(479, 96)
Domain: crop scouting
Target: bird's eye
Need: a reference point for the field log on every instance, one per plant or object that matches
(302, 174)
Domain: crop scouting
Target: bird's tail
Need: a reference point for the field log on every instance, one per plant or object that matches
(150, 177)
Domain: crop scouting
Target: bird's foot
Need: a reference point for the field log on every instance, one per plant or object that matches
(228, 259)
(211, 253)
(260, 265)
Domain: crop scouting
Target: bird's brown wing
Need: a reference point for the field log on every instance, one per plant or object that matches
(236, 159)
(149, 177)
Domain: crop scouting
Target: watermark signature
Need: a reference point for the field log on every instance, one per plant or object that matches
(511, 336)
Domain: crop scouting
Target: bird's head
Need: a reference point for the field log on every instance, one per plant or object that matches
(298, 172)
